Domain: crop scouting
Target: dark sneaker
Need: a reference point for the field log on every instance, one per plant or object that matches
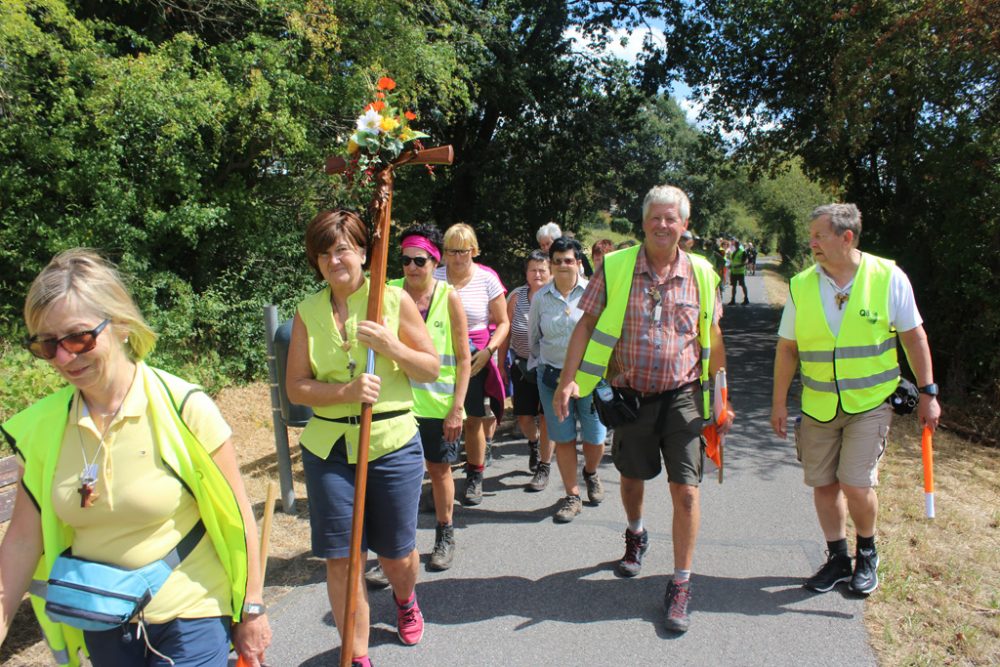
(489, 454)
(745, 302)
(836, 569)
(375, 577)
(865, 578)
(541, 478)
(676, 604)
(570, 507)
(409, 621)
(444, 547)
(532, 456)
(473, 494)
(595, 490)
(636, 544)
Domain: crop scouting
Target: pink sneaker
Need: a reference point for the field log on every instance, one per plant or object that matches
(409, 621)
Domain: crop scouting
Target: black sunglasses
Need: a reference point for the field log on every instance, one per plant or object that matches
(74, 343)
(419, 261)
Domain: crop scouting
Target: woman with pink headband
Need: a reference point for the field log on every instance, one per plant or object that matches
(438, 405)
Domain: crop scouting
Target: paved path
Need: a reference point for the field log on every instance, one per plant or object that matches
(526, 591)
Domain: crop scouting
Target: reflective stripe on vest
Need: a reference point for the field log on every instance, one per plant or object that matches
(619, 270)
(435, 399)
(859, 368)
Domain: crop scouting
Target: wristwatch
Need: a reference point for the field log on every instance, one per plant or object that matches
(254, 609)
(930, 389)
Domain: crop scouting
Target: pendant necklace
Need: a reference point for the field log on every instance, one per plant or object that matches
(89, 474)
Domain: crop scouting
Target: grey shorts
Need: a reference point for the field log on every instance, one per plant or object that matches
(638, 447)
(847, 449)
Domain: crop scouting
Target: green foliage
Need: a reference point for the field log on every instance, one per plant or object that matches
(23, 380)
(897, 105)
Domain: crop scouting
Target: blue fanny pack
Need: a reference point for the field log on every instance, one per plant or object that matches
(97, 596)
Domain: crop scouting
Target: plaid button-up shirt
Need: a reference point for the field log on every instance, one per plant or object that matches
(658, 349)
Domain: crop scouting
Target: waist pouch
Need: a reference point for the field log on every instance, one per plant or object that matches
(615, 408)
(904, 400)
(97, 596)
(550, 375)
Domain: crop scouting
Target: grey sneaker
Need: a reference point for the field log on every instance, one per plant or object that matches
(444, 547)
(837, 569)
(636, 545)
(541, 478)
(676, 604)
(595, 490)
(375, 577)
(473, 494)
(865, 578)
(571, 506)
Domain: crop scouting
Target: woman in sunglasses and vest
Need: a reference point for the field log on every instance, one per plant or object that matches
(127, 465)
(438, 405)
(327, 358)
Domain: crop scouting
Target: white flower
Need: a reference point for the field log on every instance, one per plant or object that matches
(370, 122)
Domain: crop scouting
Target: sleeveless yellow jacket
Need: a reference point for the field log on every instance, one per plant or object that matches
(619, 269)
(330, 362)
(36, 434)
(858, 369)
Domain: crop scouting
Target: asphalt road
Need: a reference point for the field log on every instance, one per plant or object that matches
(526, 591)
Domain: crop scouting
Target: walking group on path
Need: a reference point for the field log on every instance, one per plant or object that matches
(635, 347)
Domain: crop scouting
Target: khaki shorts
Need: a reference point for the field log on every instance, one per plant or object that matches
(638, 447)
(845, 450)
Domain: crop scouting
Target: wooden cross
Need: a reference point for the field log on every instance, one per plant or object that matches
(379, 251)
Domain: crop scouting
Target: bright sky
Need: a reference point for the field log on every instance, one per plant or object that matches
(628, 47)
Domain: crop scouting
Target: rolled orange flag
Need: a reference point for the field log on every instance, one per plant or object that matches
(927, 451)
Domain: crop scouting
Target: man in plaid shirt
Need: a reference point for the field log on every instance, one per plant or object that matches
(658, 359)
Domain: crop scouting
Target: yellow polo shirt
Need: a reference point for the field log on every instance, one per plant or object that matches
(142, 510)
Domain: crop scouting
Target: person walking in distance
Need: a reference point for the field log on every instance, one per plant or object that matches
(651, 315)
(839, 328)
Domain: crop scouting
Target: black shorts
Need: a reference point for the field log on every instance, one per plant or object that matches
(476, 395)
(526, 401)
(737, 279)
(436, 450)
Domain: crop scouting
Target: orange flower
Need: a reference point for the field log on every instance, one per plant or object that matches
(385, 83)
(380, 96)
(410, 115)
(378, 105)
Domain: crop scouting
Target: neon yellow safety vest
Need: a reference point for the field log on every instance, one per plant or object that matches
(619, 270)
(36, 433)
(330, 363)
(435, 399)
(738, 259)
(858, 369)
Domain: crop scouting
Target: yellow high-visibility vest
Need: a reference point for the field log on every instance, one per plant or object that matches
(619, 269)
(858, 369)
(435, 399)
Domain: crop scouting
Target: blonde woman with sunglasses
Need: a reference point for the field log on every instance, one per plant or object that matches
(122, 466)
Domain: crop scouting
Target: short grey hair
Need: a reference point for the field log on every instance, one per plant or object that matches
(667, 194)
(549, 229)
(843, 217)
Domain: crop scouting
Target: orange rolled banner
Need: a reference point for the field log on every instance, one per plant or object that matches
(927, 451)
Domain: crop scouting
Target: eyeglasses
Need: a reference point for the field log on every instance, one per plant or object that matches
(560, 261)
(419, 261)
(74, 343)
(458, 251)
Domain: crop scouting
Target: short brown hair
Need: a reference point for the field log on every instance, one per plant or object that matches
(327, 228)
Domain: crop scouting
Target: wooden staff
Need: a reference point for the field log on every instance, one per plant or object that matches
(382, 209)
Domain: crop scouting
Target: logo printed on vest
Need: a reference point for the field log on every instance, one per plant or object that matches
(870, 315)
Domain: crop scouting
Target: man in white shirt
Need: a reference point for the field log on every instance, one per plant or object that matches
(839, 328)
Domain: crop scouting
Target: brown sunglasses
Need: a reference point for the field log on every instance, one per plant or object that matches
(74, 343)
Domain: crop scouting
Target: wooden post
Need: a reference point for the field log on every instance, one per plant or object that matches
(379, 252)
